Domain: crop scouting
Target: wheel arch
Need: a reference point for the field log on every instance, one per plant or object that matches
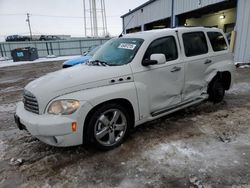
(224, 76)
(121, 101)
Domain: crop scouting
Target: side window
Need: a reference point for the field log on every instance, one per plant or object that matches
(217, 41)
(166, 46)
(195, 43)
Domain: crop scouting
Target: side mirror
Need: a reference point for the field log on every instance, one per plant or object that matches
(155, 59)
(160, 58)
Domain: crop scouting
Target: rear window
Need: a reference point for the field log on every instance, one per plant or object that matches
(217, 41)
(195, 43)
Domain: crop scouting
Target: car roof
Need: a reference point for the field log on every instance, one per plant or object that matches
(155, 32)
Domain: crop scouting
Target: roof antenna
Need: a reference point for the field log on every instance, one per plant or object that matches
(126, 26)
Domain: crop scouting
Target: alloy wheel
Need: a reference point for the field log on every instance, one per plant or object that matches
(110, 127)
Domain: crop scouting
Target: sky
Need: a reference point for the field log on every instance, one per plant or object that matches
(57, 16)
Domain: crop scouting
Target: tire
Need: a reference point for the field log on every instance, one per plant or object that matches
(108, 126)
(216, 91)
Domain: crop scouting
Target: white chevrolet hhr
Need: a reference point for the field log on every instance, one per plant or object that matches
(130, 80)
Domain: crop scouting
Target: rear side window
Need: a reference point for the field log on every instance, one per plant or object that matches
(195, 43)
(166, 46)
(217, 41)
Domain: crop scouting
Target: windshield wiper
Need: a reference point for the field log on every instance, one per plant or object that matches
(98, 63)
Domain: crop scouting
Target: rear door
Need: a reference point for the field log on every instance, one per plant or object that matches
(220, 48)
(196, 53)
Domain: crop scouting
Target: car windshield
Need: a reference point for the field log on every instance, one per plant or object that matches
(118, 51)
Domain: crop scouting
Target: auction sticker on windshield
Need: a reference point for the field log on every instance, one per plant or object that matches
(127, 46)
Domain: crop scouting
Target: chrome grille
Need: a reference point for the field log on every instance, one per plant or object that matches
(30, 102)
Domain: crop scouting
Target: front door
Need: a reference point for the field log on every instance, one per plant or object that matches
(162, 83)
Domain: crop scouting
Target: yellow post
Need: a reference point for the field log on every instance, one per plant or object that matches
(232, 41)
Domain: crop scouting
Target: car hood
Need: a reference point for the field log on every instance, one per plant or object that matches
(77, 60)
(73, 79)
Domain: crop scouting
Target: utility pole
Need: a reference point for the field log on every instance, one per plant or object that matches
(28, 20)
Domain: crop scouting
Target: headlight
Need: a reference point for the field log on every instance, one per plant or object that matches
(64, 107)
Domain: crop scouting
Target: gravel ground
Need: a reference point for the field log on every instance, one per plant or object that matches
(203, 146)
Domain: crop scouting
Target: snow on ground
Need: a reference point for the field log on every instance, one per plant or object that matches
(242, 87)
(210, 142)
(7, 63)
(2, 148)
(11, 89)
(178, 153)
(165, 151)
(8, 107)
(4, 58)
(244, 66)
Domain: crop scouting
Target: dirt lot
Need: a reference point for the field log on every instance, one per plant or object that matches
(203, 146)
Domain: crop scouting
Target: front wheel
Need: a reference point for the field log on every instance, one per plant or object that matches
(109, 126)
(216, 91)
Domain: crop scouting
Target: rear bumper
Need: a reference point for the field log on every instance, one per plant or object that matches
(54, 130)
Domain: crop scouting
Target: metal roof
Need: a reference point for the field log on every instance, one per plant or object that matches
(138, 8)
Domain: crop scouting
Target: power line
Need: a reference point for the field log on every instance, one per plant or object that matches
(54, 16)
(57, 16)
(19, 14)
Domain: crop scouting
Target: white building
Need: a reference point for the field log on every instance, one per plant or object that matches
(228, 15)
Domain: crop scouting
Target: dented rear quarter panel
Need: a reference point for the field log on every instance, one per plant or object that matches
(222, 62)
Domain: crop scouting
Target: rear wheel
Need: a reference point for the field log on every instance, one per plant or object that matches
(109, 126)
(216, 91)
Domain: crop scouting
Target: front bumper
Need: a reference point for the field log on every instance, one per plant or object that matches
(19, 124)
(54, 130)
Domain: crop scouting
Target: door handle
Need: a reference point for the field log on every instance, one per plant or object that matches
(175, 69)
(208, 61)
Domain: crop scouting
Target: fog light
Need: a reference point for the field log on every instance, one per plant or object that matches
(74, 126)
